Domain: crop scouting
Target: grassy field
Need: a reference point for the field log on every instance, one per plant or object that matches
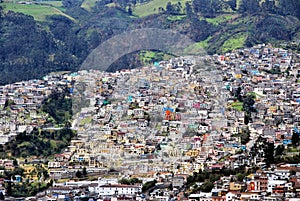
(198, 47)
(176, 17)
(148, 56)
(55, 4)
(88, 4)
(237, 106)
(38, 11)
(218, 20)
(234, 42)
(145, 9)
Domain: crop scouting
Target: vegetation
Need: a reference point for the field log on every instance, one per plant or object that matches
(44, 143)
(59, 107)
(58, 35)
(149, 57)
(38, 143)
(219, 19)
(81, 174)
(275, 155)
(29, 50)
(131, 181)
(248, 103)
(88, 4)
(156, 6)
(234, 42)
(208, 177)
(244, 135)
(40, 12)
(237, 105)
(148, 185)
(25, 188)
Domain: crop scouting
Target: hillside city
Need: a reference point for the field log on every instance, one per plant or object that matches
(211, 128)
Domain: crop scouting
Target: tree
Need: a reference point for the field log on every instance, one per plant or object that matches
(129, 10)
(78, 174)
(269, 5)
(15, 162)
(84, 172)
(245, 135)
(269, 153)
(248, 103)
(207, 186)
(94, 39)
(188, 10)
(232, 4)
(290, 7)
(202, 6)
(295, 139)
(148, 185)
(1, 196)
(8, 103)
(124, 181)
(71, 3)
(8, 188)
(249, 6)
(237, 93)
(216, 6)
(240, 177)
(1, 9)
(279, 150)
(134, 2)
(170, 8)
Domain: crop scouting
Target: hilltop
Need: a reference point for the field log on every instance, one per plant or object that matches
(58, 35)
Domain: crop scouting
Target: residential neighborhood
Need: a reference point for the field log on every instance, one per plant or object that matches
(209, 128)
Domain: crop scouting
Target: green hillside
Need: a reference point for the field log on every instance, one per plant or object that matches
(152, 7)
(88, 4)
(56, 4)
(73, 28)
(38, 11)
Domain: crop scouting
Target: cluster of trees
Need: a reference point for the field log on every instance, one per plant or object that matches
(174, 8)
(81, 174)
(248, 103)
(208, 178)
(148, 185)
(211, 7)
(248, 107)
(26, 187)
(244, 135)
(274, 155)
(131, 181)
(59, 107)
(39, 143)
(28, 50)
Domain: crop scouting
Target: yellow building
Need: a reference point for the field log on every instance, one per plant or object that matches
(234, 186)
(192, 153)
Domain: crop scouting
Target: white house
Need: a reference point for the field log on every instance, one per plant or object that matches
(273, 183)
(200, 197)
(118, 189)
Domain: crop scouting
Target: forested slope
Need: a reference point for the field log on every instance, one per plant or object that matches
(30, 48)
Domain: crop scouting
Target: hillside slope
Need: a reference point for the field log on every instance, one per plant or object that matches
(61, 40)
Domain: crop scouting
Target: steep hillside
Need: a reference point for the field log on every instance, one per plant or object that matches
(60, 34)
(39, 11)
(29, 50)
